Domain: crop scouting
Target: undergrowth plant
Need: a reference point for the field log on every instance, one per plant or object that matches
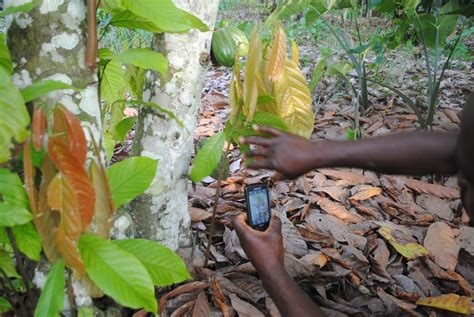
(57, 194)
(273, 92)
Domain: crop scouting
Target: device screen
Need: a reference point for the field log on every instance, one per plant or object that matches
(259, 210)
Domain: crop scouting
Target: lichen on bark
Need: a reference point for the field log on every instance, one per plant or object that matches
(162, 212)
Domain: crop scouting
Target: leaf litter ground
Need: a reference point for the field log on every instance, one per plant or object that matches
(359, 243)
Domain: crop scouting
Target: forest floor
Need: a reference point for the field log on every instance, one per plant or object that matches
(332, 218)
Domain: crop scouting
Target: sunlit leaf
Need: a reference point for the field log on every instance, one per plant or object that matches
(11, 215)
(51, 300)
(76, 175)
(104, 205)
(41, 88)
(408, 249)
(61, 197)
(5, 57)
(208, 157)
(144, 58)
(6, 264)
(130, 178)
(163, 265)
(251, 72)
(165, 15)
(118, 273)
(293, 100)
(14, 117)
(295, 54)
(129, 20)
(276, 64)
(109, 145)
(68, 128)
(112, 84)
(450, 302)
(236, 92)
(11, 189)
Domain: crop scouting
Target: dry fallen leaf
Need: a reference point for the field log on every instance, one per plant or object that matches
(201, 307)
(437, 190)
(339, 211)
(408, 249)
(243, 308)
(366, 193)
(351, 177)
(451, 302)
(316, 258)
(198, 214)
(439, 240)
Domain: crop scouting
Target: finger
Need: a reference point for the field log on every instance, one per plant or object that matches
(256, 141)
(260, 164)
(261, 152)
(240, 224)
(275, 225)
(272, 131)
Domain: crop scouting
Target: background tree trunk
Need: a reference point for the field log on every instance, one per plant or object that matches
(162, 213)
(50, 43)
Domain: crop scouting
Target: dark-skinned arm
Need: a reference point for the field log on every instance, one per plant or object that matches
(265, 251)
(416, 153)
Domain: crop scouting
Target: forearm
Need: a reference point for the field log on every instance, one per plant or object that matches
(416, 153)
(289, 298)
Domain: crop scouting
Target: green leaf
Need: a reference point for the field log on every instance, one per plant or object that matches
(112, 84)
(43, 87)
(165, 15)
(144, 58)
(435, 29)
(125, 125)
(317, 74)
(6, 264)
(24, 8)
(339, 69)
(268, 119)
(109, 145)
(51, 300)
(11, 215)
(117, 273)
(28, 240)
(4, 305)
(5, 58)
(14, 117)
(361, 49)
(127, 19)
(130, 178)
(208, 157)
(12, 190)
(163, 265)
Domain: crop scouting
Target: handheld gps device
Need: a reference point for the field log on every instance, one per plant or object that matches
(258, 206)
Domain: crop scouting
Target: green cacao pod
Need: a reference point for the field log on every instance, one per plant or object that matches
(225, 42)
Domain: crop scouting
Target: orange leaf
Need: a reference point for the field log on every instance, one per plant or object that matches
(29, 175)
(66, 122)
(47, 220)
(277, 60)
(76, 175)
(38, 127)
(104, 205)
(451, 302)
(61, 197)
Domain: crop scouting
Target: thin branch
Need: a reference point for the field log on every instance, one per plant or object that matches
(70, 292)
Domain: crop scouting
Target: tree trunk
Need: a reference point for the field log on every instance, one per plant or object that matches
(162, 213)
(50, 43)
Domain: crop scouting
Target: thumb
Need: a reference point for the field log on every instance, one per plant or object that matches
(275, 224)
(239, 223)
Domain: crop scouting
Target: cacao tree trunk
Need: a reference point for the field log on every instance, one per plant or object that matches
(50, 43)
(162, 213)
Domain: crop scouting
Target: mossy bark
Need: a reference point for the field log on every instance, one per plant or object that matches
(162, 212)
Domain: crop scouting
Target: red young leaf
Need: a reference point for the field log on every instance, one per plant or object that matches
(39, 127)
(47, 221)
(61, 197)
(75, 173)
(104, 205)
(68, 127)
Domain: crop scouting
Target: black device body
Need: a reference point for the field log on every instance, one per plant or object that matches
(258, 206)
